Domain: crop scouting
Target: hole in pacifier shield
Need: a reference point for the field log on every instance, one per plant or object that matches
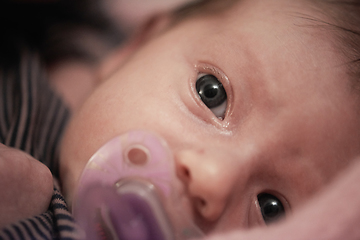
(137, 155)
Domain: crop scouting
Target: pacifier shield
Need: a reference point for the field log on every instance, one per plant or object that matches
(127, 191)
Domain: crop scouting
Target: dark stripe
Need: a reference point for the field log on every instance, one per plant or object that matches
(4, 123)
(62, 216)
(19, 232)
(3, 113)
(57, 195)
(6, 99)
(41, 221)
(59, 206)
(54, 135)
(27, 133)
(17, 112)
(26, 101)
(28, 231)
(47, 114)
(8, 233)
(66, 228)
(37, 229)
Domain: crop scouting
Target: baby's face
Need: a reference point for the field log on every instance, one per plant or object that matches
(285, 124)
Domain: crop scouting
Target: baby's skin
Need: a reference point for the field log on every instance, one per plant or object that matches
(333, 214)
(26, 186)
(284, 121)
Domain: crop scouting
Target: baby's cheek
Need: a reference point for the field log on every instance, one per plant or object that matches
(69, 178)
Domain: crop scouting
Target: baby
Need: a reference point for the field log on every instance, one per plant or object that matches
(256, 99)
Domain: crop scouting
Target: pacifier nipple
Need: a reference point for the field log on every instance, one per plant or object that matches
(127, 192)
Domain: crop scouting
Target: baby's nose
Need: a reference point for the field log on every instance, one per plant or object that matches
(208, 179)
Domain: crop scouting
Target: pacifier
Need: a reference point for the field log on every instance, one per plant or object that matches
(128, 191)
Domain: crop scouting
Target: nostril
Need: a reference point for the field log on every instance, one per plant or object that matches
(184, 174)
(200, 203)
(200, 206)
(209, 211)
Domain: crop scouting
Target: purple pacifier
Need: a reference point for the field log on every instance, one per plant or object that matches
(127, 191)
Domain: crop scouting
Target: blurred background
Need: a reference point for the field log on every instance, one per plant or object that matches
(133, 12)
(72, 37)
(59, 29)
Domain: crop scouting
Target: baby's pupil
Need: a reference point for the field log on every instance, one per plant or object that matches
(211, 91)
(271, 209)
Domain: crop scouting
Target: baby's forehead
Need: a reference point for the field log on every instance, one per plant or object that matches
(239, 11)
(200, 8)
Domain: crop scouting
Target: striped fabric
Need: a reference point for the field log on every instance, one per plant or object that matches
(56, 223)
(32, 118)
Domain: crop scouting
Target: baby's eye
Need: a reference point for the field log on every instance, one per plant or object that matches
(271, 207)
(213, 94)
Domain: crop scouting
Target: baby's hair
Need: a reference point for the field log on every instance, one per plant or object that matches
(339, 17)
(345, 15)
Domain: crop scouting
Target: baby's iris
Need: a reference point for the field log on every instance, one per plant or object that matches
(213, 94)
(271, 207)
